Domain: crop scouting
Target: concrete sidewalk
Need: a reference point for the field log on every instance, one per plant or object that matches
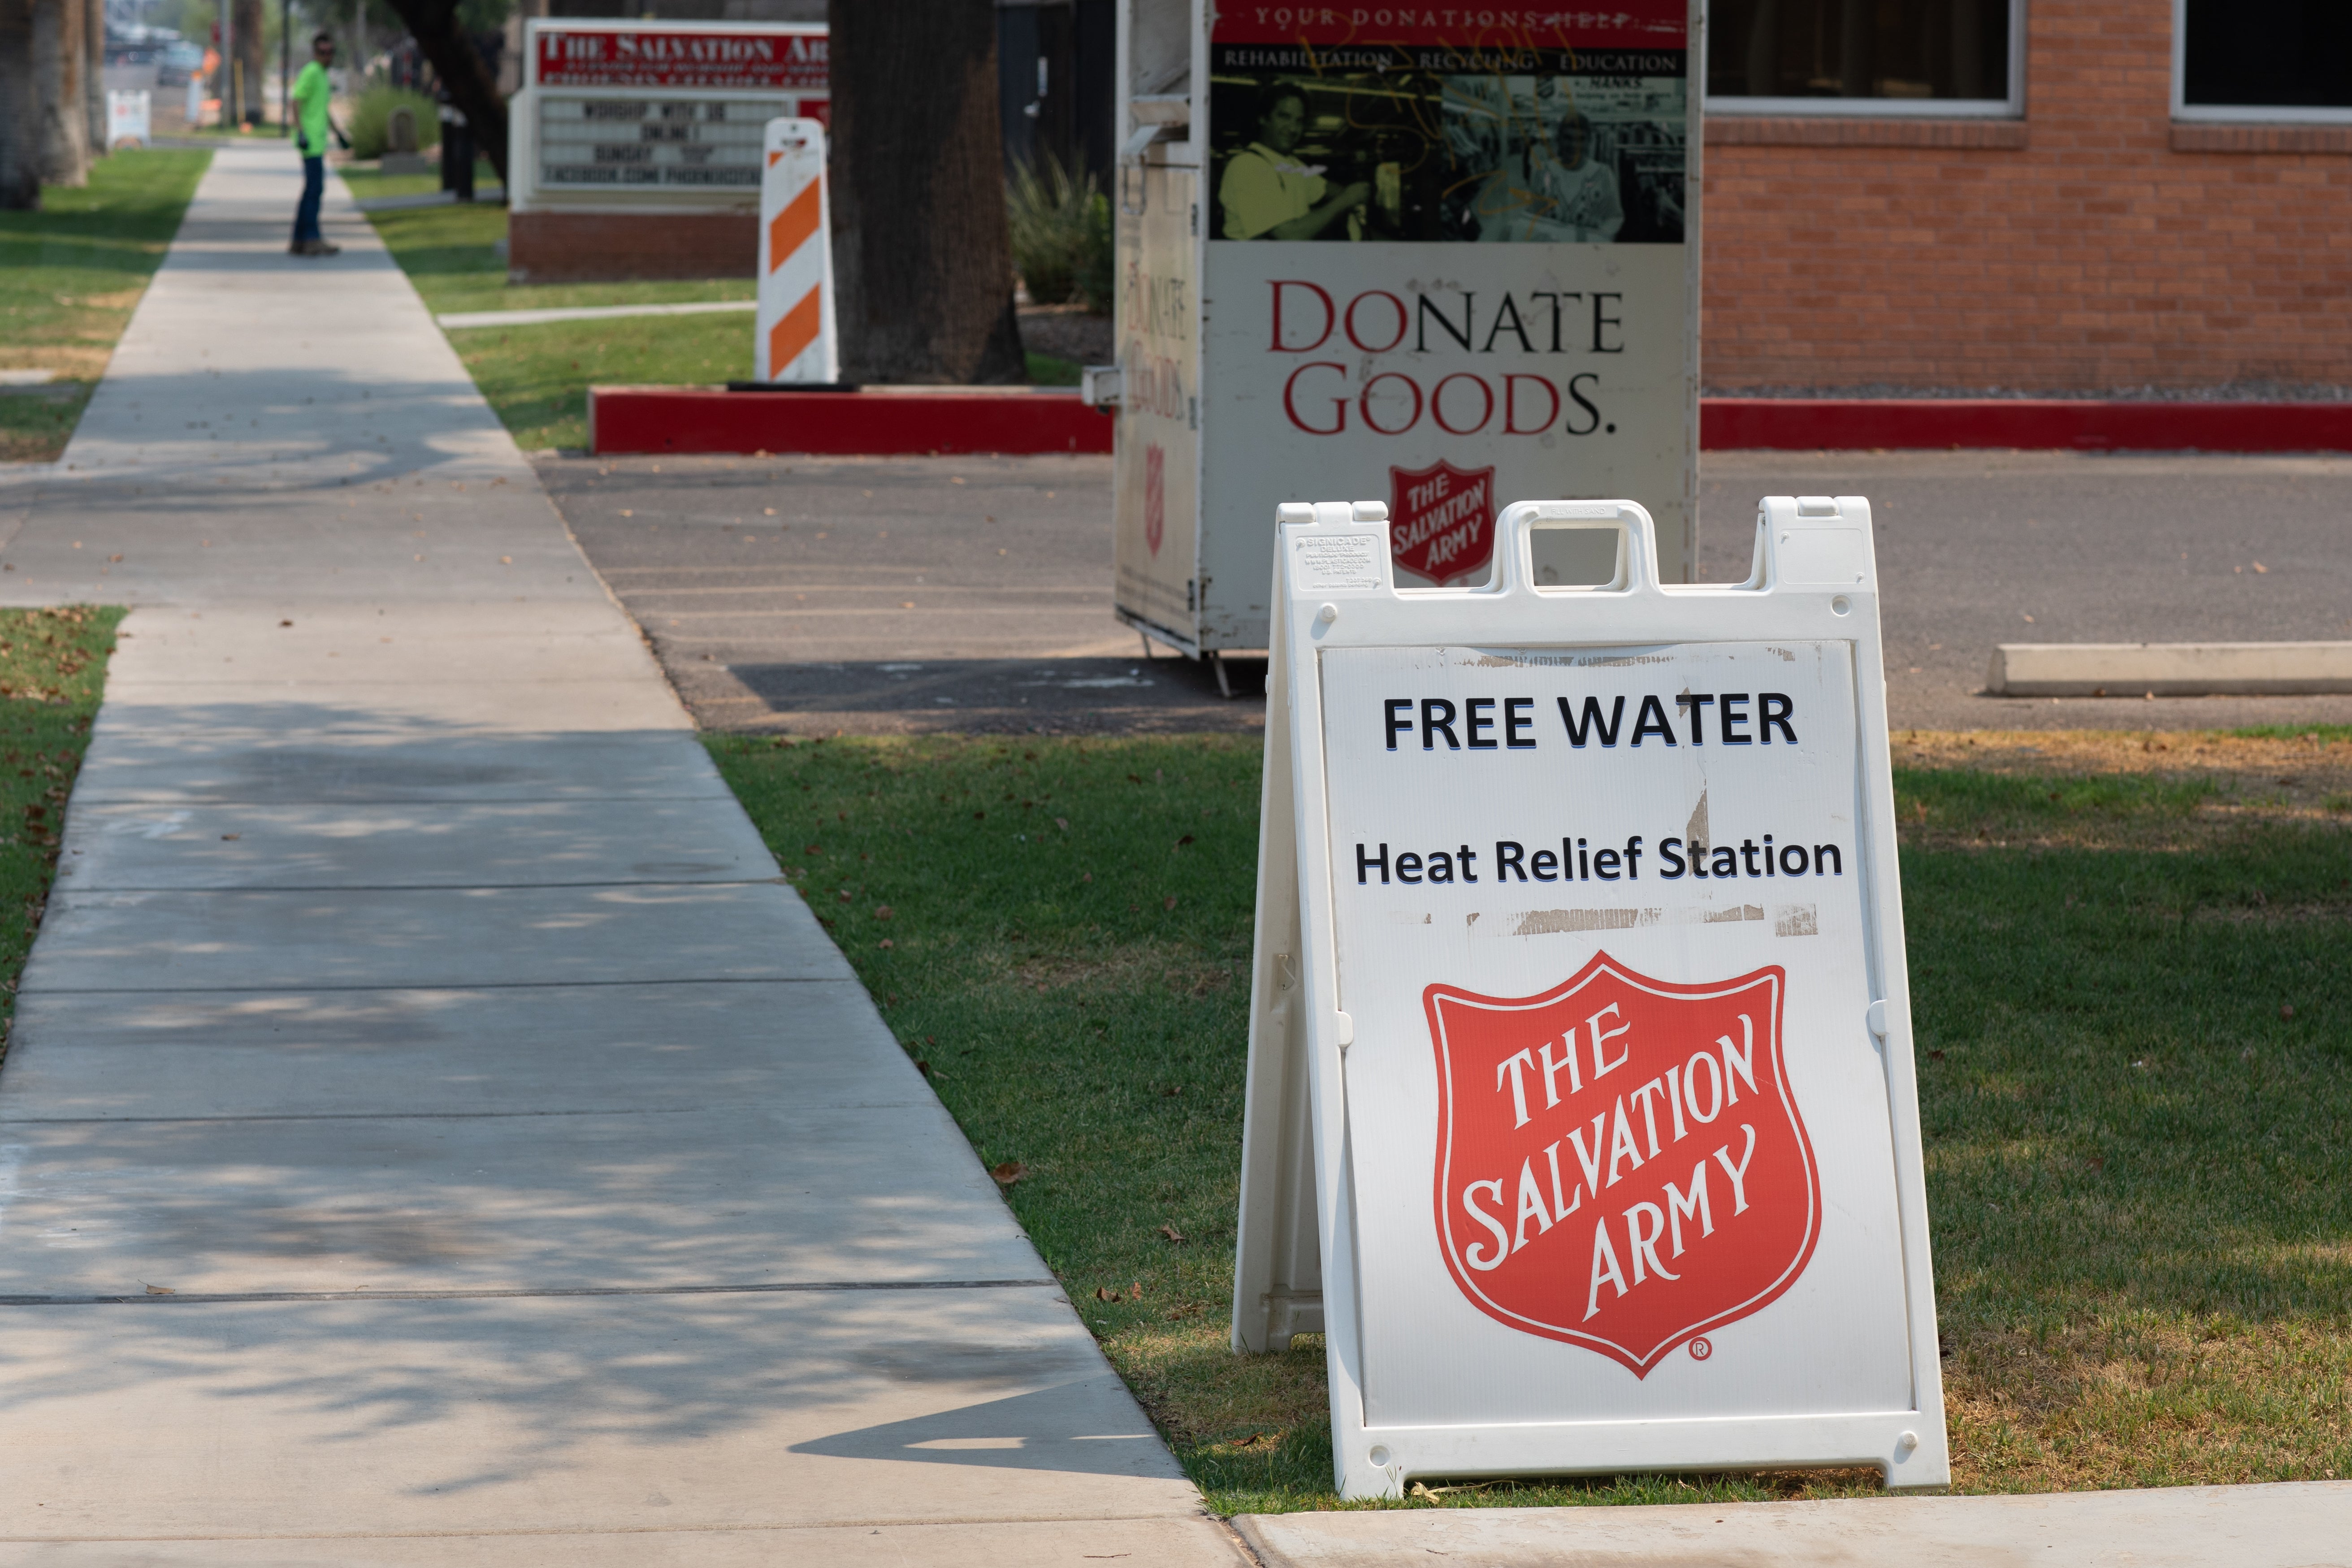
(2305, 1525)
(433, 1133)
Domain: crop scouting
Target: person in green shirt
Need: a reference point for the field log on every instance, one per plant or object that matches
(311, 129)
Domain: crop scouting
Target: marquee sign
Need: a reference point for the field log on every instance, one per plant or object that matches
(767, 59)
(655, 119)
(621, 143)
(1582, 1118)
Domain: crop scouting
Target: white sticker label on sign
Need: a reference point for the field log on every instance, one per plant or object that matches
(1349, 561)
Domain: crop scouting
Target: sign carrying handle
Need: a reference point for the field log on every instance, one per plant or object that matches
(1514, 531)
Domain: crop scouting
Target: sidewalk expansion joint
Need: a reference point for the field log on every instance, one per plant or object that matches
(113, 887)
(408, 802)
(555, 1292)
(431, 887)
(290, 989)
(441, 1115)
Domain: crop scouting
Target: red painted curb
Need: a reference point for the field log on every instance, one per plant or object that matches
(915, 421)
(1810, 423)
(897, 421)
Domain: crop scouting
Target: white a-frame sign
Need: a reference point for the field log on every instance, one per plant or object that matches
(1581, 1118)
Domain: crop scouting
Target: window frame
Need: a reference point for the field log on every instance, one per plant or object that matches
(2185, 112)
(2009, 108)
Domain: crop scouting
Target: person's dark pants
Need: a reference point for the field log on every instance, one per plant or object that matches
(314, 186)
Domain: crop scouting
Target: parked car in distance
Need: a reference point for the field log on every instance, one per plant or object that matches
(178, 62)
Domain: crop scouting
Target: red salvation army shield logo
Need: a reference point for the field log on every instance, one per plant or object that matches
(1155, 497)
(1441, 521)
(1621, 1163)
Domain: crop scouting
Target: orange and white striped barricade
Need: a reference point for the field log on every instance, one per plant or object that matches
(795, 341)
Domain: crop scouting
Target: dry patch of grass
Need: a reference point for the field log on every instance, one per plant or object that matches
(2147, 1400)
(1130, 970)
(2114, 789)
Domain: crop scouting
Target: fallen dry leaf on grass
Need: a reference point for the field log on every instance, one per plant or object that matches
(1173, 1234)
(1010, 1172)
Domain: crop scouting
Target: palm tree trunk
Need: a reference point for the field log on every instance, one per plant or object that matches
(922, 253)
(20, 173)
(60, 76)
(93, 96)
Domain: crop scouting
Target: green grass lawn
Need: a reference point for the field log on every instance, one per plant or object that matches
(368, 182)
(71, 275)
(536, 377)
(52, 670)
(2139, 1166)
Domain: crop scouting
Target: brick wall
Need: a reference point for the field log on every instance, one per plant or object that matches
(2094, 245)
(600, 247)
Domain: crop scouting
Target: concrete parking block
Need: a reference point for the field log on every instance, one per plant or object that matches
(2170, 669)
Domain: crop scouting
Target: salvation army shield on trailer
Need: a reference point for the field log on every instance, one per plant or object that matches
(1582, 1118)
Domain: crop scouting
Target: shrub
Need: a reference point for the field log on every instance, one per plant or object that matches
(371, 124)
(1096, 272)
(1060, 233)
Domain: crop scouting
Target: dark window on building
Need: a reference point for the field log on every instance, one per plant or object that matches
(1887, 49)
(2267, 54)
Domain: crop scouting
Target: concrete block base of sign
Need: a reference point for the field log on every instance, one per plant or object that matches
(875, 421)
(608, 247)
(949, 421)
(2170, 669)
(2286, 1526)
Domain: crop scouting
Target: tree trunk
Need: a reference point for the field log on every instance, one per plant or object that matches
(20, 171)
(94, 94)
(923, 254)
(253, 61)
(435, 25)
(60, 76)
